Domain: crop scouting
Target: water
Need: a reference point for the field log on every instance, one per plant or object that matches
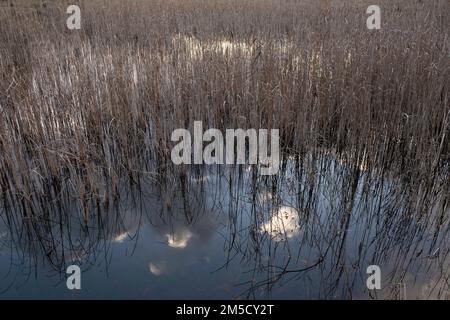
(227, 233)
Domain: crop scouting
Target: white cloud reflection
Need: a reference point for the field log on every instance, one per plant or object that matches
(179, 239)
(283, 224)
(121, 237)
(157, 268)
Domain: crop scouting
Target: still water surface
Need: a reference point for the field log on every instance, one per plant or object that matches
(308, 233)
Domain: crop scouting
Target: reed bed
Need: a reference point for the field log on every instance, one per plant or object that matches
(84, 113)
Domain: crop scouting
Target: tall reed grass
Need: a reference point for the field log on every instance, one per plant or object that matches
(82, 112)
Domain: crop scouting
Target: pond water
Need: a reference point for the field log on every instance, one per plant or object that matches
(228, 233)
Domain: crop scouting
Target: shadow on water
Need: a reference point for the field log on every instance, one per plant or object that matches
(223, 232)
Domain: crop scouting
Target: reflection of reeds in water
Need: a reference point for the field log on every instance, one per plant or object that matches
(319, 220)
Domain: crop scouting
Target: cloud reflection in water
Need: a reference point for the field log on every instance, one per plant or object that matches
(179, 239)
(283, 224)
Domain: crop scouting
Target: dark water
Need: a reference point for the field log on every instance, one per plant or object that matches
(309, 233)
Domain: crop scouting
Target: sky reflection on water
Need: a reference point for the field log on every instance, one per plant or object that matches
(304, 235)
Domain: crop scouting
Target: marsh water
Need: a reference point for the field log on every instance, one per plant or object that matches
(227, 232)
